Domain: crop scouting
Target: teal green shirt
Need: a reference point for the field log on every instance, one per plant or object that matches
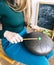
(11, 20)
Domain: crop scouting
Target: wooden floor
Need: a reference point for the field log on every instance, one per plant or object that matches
(3, 62)
(51, 61)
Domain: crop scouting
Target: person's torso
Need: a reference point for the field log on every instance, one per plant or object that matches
(11, 20)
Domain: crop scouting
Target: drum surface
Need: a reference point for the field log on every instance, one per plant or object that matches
(40, 47)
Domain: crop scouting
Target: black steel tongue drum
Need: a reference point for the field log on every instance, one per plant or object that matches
(38, 43)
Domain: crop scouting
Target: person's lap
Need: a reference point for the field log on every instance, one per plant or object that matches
(20, 54)
(51, 54)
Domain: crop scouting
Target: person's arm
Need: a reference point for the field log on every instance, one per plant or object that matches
(1, 33)
(10, 36)
(1, 14)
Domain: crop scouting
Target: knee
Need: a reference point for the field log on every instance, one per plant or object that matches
(43, 61)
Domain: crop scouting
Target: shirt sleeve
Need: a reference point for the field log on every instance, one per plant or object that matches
(1, 14)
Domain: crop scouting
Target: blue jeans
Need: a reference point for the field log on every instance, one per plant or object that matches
(20, 54)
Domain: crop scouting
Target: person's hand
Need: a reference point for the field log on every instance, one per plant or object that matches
(12, 37)
(34, 27)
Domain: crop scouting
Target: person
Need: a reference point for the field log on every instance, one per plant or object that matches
(13, 30)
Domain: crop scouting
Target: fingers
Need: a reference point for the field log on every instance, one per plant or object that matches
(13, 37)
(11, 41)
(35, 27)
(17, 38)
(14, 40)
